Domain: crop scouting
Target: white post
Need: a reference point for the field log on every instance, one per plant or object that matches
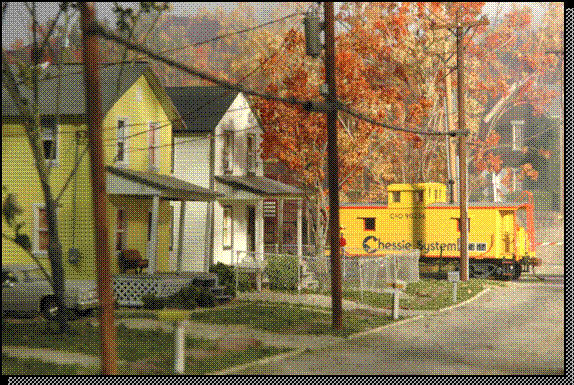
(236, 271)
(154, 238)
(395, 302)
(299, 242)
(454, 290)
(179, 361)
(360, 278)
(180, 236)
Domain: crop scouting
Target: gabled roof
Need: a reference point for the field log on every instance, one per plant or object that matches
(201, 107)
(72, 90)
(170, 187)
(261, 185)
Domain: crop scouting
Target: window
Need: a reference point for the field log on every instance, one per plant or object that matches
(419, 196)
(227, 227)
(517, 134)
(121, 155)
(369, 224)
(458, 224)
(396, 196)
(153, 146)
(251, 154)
(121, 227)
(471, 246)
(228, 152)
(42, 235)
(481, 247)
(49, 138)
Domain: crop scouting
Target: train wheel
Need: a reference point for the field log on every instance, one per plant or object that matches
(517, 270)
(481, 270)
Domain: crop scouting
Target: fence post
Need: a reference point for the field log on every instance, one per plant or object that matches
(395, 302)
(360, 278)
(179, 361)
(236, 272)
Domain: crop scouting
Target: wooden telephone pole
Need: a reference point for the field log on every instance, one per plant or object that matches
(457, 29)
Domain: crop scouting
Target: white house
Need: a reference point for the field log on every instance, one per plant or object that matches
(218, 148)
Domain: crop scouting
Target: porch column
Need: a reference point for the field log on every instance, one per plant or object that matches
(180, 236)
(280, 224)
(154, 237)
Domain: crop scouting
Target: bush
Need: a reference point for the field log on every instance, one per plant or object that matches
(282, 272)
(150, 301)
(226, 277)
(186, 298)
(205, 298)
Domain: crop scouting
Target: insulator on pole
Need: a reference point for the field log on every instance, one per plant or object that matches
(313, 28)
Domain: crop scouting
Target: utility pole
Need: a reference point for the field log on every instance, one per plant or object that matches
(333, 166)
(99, 196)
(329, 91)
(458, 27)
(561, 133)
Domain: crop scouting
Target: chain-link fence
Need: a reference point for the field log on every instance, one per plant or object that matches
(373, 272)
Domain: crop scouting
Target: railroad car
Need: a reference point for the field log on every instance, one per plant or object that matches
(418, 216)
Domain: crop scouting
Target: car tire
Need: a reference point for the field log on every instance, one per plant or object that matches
(49, 308)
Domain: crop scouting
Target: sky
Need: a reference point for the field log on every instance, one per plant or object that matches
(16, 20)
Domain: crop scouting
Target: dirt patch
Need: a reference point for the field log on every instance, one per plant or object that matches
(237, 343)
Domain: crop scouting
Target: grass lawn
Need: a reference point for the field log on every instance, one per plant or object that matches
(146, 351)
(33, 366)
(290, 319)
(426, 294)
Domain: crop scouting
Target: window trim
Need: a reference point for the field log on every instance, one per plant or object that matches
(36, 207)
(227, 151)
(126, 158)
(46, 136)
(251, 154)
(155, 134)
(515, 124)
(229, 244)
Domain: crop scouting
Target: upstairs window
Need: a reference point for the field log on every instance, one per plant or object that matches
(517, 134)
(227, 161)
(251, 154)
(49, 138)
(121, 155)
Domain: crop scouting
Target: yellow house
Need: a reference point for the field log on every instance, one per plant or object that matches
(137, 127)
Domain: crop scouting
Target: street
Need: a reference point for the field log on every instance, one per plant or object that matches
(514, 330)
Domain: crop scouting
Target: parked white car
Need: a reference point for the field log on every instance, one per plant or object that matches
(25, 291)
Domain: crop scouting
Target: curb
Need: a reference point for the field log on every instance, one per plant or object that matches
(262, 361)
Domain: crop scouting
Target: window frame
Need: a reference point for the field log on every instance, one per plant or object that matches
(517, 134)
(227, 151)
(251, 154)
(50, 132)
(125, 142)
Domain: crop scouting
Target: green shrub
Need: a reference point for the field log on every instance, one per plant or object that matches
(282, 272)
(226, 277)
(150, 301)
(205, 298)
(186, 298)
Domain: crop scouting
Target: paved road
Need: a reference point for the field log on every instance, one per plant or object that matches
(514, 330)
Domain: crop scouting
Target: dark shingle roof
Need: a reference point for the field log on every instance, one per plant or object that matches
(261, 185)
(171, 187)
(201, 107)
(72, 91)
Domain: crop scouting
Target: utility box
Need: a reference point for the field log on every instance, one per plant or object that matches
(453, 276)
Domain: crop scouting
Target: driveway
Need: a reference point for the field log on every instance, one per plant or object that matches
(517, 329)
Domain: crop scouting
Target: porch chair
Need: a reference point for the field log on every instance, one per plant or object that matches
(131, 259)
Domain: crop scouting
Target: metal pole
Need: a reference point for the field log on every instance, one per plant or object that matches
(462, 153)
(333, 167)
(99, 196)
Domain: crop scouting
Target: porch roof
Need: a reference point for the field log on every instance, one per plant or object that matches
(261, 185)
(168, 186)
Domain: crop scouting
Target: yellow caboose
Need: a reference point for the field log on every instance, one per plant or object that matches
(418, 216)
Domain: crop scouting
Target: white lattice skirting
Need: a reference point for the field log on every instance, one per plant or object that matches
(129, 290)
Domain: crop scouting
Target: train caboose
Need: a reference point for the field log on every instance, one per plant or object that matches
(418, 216)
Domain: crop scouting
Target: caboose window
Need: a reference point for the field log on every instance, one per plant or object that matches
(458, 224)
(369, 223)
(419, 196)
(396, 196)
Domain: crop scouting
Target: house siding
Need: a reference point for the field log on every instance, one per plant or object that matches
(19, 175)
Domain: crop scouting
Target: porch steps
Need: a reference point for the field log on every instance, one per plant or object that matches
(212, 284)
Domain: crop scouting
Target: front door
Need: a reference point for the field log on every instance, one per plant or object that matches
(250, 228)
